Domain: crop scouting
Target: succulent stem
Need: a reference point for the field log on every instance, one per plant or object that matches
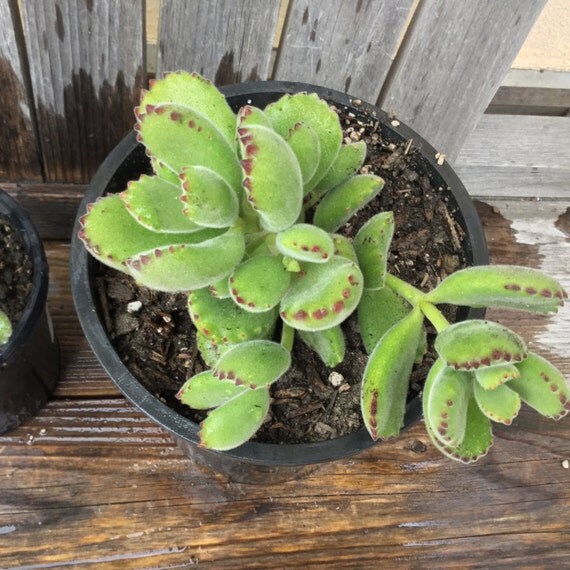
(287, 337)
(405, 290)
(434, 315)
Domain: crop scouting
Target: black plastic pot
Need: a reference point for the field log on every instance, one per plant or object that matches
(251, 462)
(29, 361)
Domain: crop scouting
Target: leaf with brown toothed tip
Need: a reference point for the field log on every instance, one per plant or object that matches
(155, 203)
(224, 322)
(304, 142)
(180, 137)
(272, 177)
(343, 247)
(209, 200)
(322, 295)
(446, 408)
(500, 405)
(474, 344)
(162, 171)
(248, 116)
(315, 113)
(204, 391)
(305, 242)
(386, 377)
(112, 235)
(478, 436)
(503, 286)
(342, 202)
(491, 377)
(258, 284)
(194, 91)
(348, 161)
(234, 422)
(253, 364)
(542, 386)
(188, 266)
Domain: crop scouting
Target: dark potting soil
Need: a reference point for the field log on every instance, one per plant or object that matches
(15, 272)
(154, 335)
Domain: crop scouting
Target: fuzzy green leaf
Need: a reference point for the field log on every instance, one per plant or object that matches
(253, 364)
(343, 247)
(209, 200)
(204, 391)
(491, 377)
(221, 289)
(304, 142)
(223, 322)
(305, 242)
(322, 295)
(372, 246)
(163, 172)
(195, 92)
(328, 344)
(342, 202)
(113, 236)
(209, 350)
(273, 181)
(378, 311)
(503, 286)
(386, 377)
(188, 266)
(5, 328)
(542, 386)
(181, 137)
(156, 204)
(478, 436)
(249, 116)
(349, 159)
(470, 345)
(315, 113)
(499, 405)
(258, 284)
(236, 421)
(446, 407)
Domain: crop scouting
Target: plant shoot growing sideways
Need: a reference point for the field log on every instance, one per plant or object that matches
(225, 217)
(5, 328)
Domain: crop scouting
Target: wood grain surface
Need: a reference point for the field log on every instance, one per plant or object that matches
(92, 483)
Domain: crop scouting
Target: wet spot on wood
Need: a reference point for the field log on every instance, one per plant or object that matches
(305, 16)
(59, 28)
(563, 223)
(358, 6)
(93, 121)
(347, 83)
(318, 66)
(226, 74)
(18, 152)
(89, 5)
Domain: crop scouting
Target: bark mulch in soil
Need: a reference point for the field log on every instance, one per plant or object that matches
(154, 336)
(15, 272)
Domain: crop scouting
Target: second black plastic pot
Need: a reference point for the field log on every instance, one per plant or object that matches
(29, 361)
(252, 462)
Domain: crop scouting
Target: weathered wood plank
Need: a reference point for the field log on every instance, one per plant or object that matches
(348, 46)
(451, 63)
(227, 41)
(19, 157)
(87, 67)
(516, 156)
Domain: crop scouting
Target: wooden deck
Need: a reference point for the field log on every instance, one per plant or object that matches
(91, 482)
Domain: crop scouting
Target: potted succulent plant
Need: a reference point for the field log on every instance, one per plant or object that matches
(245, 212)
(29, 353)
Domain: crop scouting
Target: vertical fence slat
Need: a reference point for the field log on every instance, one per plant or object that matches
(19, 159)
(227, 41)
(87, 67)
(451, 63)
(348, 46)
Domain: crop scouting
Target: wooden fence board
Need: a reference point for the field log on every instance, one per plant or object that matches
(451, 63)
(87, 67)
(348, 46)
(19, 158)
(227, 41)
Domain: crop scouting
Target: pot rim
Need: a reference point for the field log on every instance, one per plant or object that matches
(21, 222)
(181, 427)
